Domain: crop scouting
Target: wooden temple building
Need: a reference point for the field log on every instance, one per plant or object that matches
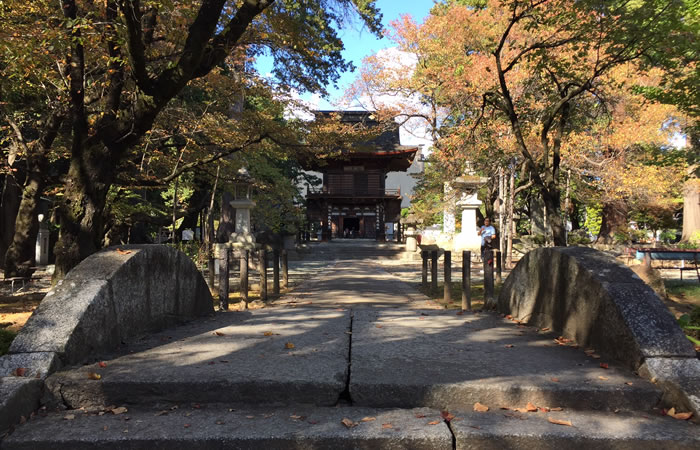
(353, 201)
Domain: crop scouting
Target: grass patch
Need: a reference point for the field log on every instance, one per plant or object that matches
(6, 337)
(476, 290)
(686, 289)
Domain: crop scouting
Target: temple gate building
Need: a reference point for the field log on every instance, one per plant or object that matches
(353, 201)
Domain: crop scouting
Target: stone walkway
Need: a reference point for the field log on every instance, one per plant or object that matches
(355, 343)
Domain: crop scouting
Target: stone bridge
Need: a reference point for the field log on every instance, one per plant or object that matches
(582, 354)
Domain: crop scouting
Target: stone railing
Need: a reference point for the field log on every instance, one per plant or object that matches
(587, 296)
(109, 298)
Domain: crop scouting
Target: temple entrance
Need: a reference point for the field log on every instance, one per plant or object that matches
(351, 227)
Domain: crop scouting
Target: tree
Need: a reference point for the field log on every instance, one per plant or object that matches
(536, 66)
(126, 60)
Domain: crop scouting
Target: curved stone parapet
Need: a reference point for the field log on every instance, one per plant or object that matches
(587, 296)
(110, 297)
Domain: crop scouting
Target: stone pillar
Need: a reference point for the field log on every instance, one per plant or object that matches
(262, 261)
(434, 270)
(275, 272)
(447, 266)
(223, 253)
(41, 256)
(468, 239)
(489, 301)
(244, 275)
(466, 281)
(424, 272)
(411, 241)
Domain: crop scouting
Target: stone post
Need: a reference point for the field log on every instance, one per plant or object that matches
(262, 261)
(244, 275)
(276, 272)
(424, 272)
(466, 281)
(488, 279)
(285, 269)
(223, 254)
(499, 270)
(434, 270)
(447, 266)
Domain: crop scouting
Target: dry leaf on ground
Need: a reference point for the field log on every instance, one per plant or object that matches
(420, 416)
(680, 416)
(120, 410)
(102, 364)
(94, 376)
(69, 417)
(123, 252)
(447, 415)
(480, 408)
(268, 333)
(509, 346)
(434, 422)
(387, 425)
(368, 419)
(600, 377)
(556, 380)
(556, 408)
(19, 372)
(288, 345)
(348, 423)
(530, 407)
(604, 365)
(218, 333)
(560, 422)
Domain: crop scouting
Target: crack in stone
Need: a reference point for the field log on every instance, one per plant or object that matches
(344, 396)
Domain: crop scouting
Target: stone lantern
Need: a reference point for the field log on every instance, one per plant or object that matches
(411, 234)
(242, 202)
(468, 185)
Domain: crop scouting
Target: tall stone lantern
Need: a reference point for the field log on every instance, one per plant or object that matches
(468, 203)
(242, 202)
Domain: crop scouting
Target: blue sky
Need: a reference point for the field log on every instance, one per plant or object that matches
(360, 43)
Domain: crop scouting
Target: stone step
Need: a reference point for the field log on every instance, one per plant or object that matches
(377, 358)
(219, 426)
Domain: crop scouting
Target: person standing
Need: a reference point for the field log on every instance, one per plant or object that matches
(487, 233)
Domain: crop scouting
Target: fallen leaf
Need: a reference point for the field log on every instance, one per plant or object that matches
(480, 408)
(19, 372)
(679, 416)
(94, 376)
(544, 329)
(379, 326)
(105, 428)
(120, 410)
(187, 425)
(123, 252)
(288, 345)
(220, 422)
(544, 409)
(348, 423)
(603, 378)
(447, 415)
(69, 417)
(387, 425)
(219, 333)
(556, 380)
(420, 416)
(560, 422)
(459, 313)
(629, 383)
(556, 408)
(295, 417)
(368, 419)
(434, 422)
(250, 417)
(589, 351)
(102, 364)
(604, 365)
(530, 407)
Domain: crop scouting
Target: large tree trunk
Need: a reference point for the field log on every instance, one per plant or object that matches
(552, 202)
(691, 210)
(614, 219)
(9, 206)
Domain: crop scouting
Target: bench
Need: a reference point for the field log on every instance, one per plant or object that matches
(683, 255)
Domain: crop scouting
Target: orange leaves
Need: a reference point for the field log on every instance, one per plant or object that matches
(123, 252)
(560, 422)
(348, 423)
(480, 408)
(289, 345)
(368, 419)
(680, 416)
(448, 416)
(102, 364)
(19, 372)
(604, 365)
(94, 376)
(218, 333)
